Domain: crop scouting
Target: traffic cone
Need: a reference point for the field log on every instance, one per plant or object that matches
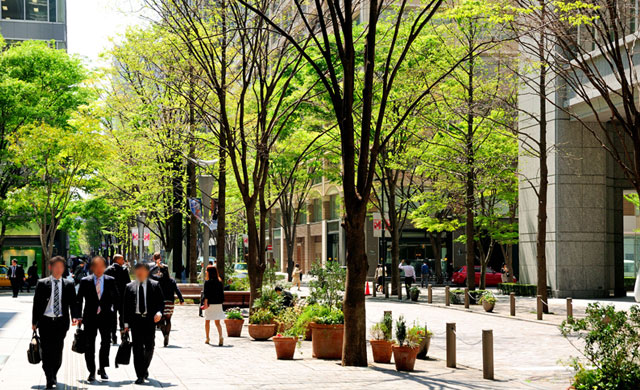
(366, 290)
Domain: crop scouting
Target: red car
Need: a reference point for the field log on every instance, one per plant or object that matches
(493, 277)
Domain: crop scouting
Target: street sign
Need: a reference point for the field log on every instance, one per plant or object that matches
(269, 248)
(147, 237)
(134, 234)
(377, 225)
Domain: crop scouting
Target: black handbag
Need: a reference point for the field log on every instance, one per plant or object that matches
(34, 353)
(79, 341)
(123, 357)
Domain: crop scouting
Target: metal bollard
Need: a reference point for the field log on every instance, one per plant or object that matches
(447, 299)
(429, 294)
(466, 297)
(570, 310)
(512, 301)
(539, 307)
(375, 288)
(451, 344)
(487, 354)
(399, 287)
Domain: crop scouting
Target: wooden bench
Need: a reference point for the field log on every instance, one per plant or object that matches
(231, 298)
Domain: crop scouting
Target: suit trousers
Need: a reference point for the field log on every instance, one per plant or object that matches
(143, 336)
(102, 324)
(52, 334)
(16, 285)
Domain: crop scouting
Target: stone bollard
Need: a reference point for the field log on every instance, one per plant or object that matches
(466, 297)
(487, 354)
(447, 299)
(539, 307)
(569, 310)
(429, 294)
(451, 344)
(512, 301)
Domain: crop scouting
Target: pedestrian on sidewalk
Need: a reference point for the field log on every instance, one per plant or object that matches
(379, 275)
(212, 303)
(54, 300)
(169, 289)
(409, 275)
(32, 276)
(99, 294)
(143, 306)
(295, 276)
(424, 277)
(16, 277)
(120, 273)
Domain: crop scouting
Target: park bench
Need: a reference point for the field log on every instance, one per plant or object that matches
(231, 298)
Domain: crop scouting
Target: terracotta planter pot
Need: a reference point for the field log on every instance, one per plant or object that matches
(261, 332)
(381, 350)
(326, 341)
(234, 327)
(404, 357)
(488, 306)
(307, 334)
(285, 347)
(424, 348)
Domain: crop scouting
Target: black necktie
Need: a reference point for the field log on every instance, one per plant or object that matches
(141, 302)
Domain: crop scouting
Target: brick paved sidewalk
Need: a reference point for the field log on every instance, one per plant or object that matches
(526, 357)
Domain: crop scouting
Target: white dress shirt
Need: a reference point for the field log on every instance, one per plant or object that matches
(409, 271)
(144, 291)
(49, 310)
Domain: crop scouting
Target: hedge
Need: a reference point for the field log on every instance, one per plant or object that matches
(522, 290)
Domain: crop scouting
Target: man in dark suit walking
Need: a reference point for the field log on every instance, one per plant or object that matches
(143, 306)
(16, 277)
(100, 296)
(53, 301)
(121, 275)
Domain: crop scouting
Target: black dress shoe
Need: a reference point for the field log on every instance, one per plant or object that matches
(103, 374)
(91, 378)
(139, 381)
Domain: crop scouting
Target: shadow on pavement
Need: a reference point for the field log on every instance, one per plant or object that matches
(432, 382)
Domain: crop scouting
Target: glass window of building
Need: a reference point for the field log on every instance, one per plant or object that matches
(37, 10)
(302, 217)
(317, 210)
(52, 10)
(333, 207)
(13, 9)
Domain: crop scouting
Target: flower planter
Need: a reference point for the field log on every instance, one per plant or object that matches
(415, 296)
(234, 327)
(261, 332)
(285, 347)
(488, 306)
(381, 350)
(326, 341)
(404, 357)
(424, 348)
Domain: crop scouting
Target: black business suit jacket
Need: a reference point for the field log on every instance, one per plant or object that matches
(154, 300)
(19, 272)
(87, 294)
(43, 295)
(121, 275)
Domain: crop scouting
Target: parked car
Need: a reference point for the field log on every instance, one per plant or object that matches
(240, 270)
(4, 280)
(492, 278)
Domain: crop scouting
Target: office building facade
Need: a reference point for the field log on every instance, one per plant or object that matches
(43, 20)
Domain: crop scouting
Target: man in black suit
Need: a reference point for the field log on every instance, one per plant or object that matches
(53, 300)
(143, 307)
(100, 296)
(121, 275)
(16, 277)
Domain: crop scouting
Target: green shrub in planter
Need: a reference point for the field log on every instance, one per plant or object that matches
(521, 290)
(261, 317)
(611, 348)
(234, 314)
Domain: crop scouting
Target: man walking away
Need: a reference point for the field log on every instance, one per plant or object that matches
(16, 277)
(169, 289)
(120, 273)
(143, 306)
(100, 296)
(409, 275)
(53, 301)
(32, 276)
(424, 278)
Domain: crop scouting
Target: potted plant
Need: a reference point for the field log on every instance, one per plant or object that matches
(407, 345)
(234, 322)
(287, 338)
(426, 334)
(306, 317)
(380, 343)
(488, 301)
(414, 293)
(261, 326)
(327, 332)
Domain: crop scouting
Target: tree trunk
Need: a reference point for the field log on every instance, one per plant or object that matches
(176, 217)
(354, 351)
(222, 207)
(395, 234)
(470, 185)
(541, 238)
(436, 244)
(254, 268)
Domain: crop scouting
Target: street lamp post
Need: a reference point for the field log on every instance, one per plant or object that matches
(141, 220)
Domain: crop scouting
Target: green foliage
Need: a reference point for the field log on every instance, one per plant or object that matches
(488, 297)
(328, 286)
(261, 317)
(401, 331)
(308, 315)
(520, 289)
(387, 321)
(269, 300)
(611, 348)
(286, 321)
(415, 335)
(457, 296)
(239, 284)
(234, 314)
(382, 330)
(329, 316)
